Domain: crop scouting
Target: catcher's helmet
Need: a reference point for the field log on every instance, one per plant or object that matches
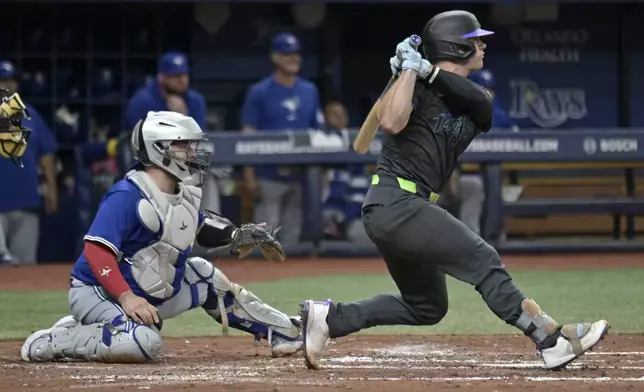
(447, 36)
(484, 78)
(13, 135)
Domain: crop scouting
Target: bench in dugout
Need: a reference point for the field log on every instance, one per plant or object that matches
(622, 202)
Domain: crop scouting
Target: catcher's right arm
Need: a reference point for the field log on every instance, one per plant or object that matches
(13, 136)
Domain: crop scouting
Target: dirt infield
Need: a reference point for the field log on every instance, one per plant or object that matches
(360, 363)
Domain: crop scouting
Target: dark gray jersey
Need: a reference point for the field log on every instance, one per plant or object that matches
(438, 131)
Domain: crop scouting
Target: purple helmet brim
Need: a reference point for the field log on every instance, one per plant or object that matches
(478, 33)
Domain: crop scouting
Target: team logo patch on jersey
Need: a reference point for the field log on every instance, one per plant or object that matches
(459, 129)
(292, 105)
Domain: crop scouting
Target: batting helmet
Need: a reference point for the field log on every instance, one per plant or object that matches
(483, 78)
(447, 36)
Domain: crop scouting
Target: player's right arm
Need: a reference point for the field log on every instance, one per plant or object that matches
(396, 106)
(398, 103)
(116, 219)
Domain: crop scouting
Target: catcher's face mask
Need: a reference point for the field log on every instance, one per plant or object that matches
(13, 136)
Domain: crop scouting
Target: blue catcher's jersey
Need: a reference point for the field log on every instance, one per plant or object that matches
(117, 225)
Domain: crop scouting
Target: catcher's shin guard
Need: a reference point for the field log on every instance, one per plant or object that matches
(120, 341)
(244, 311)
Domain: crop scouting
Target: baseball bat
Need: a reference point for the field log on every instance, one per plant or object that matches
(371, 124)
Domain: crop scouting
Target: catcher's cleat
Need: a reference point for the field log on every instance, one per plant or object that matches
(38, 346)
(315, 331)
(281, 347)
(573, 341)
(66, 322)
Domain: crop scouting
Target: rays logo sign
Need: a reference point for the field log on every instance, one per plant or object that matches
(546, 107)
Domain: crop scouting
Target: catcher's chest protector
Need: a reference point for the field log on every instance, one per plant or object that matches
(174, 218)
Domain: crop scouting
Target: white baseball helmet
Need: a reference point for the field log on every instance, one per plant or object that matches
(152, 139)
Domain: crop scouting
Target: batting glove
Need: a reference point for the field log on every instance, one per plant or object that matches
(395, 65)
(405, 50)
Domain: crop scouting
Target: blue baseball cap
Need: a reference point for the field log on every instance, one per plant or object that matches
(285, 43)
(173, 63)
(7, 69)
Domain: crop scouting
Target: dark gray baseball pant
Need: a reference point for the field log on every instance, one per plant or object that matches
(420, 243)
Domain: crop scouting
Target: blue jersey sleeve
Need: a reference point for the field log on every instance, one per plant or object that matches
(197, 109)
(115, 220)
(250, 110)
(46, 141)
(137, 109)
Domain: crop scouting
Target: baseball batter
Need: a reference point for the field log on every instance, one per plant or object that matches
(13, 136)
(135, 271)
(430, 116)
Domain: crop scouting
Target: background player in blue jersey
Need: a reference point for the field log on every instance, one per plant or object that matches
(135, 271)
(280, 102)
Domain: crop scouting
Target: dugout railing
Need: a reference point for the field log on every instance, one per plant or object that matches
(491, 153)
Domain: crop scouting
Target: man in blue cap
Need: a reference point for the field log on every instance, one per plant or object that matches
(20, 203)
(282, 101)
(171, 92)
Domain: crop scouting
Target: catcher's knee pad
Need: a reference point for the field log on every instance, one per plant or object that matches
(534, 322)
(202, 268)
(120, 341)
(245, 311)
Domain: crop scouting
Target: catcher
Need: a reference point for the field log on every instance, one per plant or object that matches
(135, 271)
(13, 136)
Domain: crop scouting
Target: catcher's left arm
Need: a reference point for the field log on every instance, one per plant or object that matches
(13, 136)
(217, 231)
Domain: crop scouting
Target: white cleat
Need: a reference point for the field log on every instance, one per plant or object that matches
(37, 347)
(315, 331)
(574, 341)
(283, 348)
(66, 322)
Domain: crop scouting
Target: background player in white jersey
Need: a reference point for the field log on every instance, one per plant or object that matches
(135, 271)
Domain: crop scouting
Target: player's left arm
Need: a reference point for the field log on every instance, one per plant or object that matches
(465, 96)
(215, 231)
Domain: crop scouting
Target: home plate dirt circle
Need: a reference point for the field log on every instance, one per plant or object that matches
(361, 363)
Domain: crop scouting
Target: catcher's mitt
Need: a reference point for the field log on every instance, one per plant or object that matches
(249, 236)
(13, 136)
